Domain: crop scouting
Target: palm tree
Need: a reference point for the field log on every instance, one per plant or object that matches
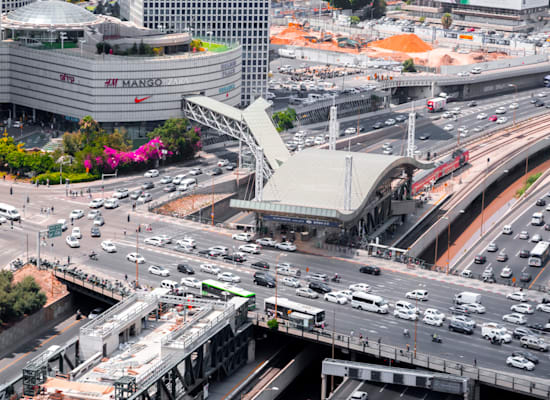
(446, 20)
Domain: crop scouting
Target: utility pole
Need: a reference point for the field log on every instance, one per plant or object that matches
(137, 252)
(212, 213)
(411, 132)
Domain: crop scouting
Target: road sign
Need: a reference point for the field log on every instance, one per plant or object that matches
(54, 230)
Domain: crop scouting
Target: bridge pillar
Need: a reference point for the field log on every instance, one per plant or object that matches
(251, 351)
(473, 390)
(323, 386)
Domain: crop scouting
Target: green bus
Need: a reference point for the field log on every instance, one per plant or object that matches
(223, 290)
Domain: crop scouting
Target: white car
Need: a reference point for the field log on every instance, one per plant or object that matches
(158, 270)
(306, 292)
(165, 180)
(360, 287)
(195, 171)
(152, 173)
(191, 282)
(242, 236)
(76, 233)
(541, 94)
(154, 241)
(517, 296)
(405, 305)
(348, 294)
(500, 110)
(76, 214)
(513, 106)
(286, 246)
(389, 122)
(108, 246)
(228, 277)
(93, 213)
(209, 269)
(502, 120)
(319, 140)
(187, 241)
(135, 257)
(250, 248)
(544, 307)
(432, 320)
(418, 294)
(523, 308)
(515, 318)
(405, 314)
(266, 242)
(435, 313)
(337, 298)
(144, 198)
(111, 203)
(481, 116)
(475, 308)
(292, 282)
(72, 242)
(447, 114)
(223, 163)
(96, 203)
(520, 362)
(506, 272)
(121, 193)
(448, 127)
(288, 269)
(350, 131)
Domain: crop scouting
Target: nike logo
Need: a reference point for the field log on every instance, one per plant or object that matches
(140, 100)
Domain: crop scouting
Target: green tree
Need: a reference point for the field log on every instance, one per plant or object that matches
(142, 49)
(284, 119)
(446, 20)
(273, 324)
(178, 136)
(354, 20)
(408, 65)
(422, 19)
(343, 4)
(17, 300)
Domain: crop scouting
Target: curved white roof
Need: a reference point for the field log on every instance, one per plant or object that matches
(52, 12)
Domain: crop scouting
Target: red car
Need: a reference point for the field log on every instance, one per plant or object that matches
(493, 118)
(470, 30)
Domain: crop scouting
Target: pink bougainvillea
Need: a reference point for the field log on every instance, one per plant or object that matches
(87, 163)
(152, 150)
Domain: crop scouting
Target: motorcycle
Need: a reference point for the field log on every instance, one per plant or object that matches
(335, 279)
(93, 256)
(436, 339)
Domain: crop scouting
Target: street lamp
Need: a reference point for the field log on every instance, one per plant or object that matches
(515, 98)
(276, 279)
(138, 229)
(483, 196)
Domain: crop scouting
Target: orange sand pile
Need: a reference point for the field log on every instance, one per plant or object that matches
(409, 43)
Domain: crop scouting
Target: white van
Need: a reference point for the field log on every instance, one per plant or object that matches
(187, 184)
(9, 212)
(537, 219)
(171, 285)
(111, 203)
(467, 298)
(369, 302)
(178, 178)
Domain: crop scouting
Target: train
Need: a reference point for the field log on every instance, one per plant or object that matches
(443, 167)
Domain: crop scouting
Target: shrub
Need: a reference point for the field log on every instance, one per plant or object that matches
(273, 324)
(73, 177)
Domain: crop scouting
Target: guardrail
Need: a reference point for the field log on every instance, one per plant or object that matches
(116, 293)
(529, 386)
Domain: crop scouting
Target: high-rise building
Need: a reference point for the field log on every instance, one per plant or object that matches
(243, 21)
(10, 5)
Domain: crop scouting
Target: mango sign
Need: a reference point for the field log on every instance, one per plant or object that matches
(467, 37)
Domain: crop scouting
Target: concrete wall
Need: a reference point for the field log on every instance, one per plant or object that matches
(288, 374)
(32, 326)
(498, 64)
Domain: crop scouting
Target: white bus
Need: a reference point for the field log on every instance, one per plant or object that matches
(539, 255)
(369, 302)
(286, 307)
(9, 212)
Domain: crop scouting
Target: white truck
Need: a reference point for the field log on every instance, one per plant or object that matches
(467, 298)
(288, 53)
(436, 104)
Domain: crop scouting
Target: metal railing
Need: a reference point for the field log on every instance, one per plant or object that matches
(530, 386)
(178, 330)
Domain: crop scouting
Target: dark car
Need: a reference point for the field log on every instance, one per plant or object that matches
(523, 253)
(319, 287)
(170, 188)
(209, 253)
(217, 171)
(370, 269)
(148, 185)
(533, 100)
(95, 232)
(521, 331)
(186, 269)
(234, 258)
(378, 125)
(525, 277)
(458, 309)
(136, 194)
(260, 265)
(264, 280)
(461, 327)
(526, 354)
(541, 202)
(539, 103)
(539, 327)
(480, 259)
(472, 104)
(231, 166)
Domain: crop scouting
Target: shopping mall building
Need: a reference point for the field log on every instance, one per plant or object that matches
(41, 81)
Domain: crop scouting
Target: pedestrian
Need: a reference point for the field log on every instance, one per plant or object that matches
(475, 362)
(48, 182)
(52, 209)
(128, 217)
(125, 232)
(379, 340)
(11, 190)
(72, 221)
(28, 199)
(367, 341)
(68, 260)
(408, 347)
(11, 224)
(81, 193)
(126, 277)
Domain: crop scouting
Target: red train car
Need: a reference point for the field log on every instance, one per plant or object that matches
(443, 167)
